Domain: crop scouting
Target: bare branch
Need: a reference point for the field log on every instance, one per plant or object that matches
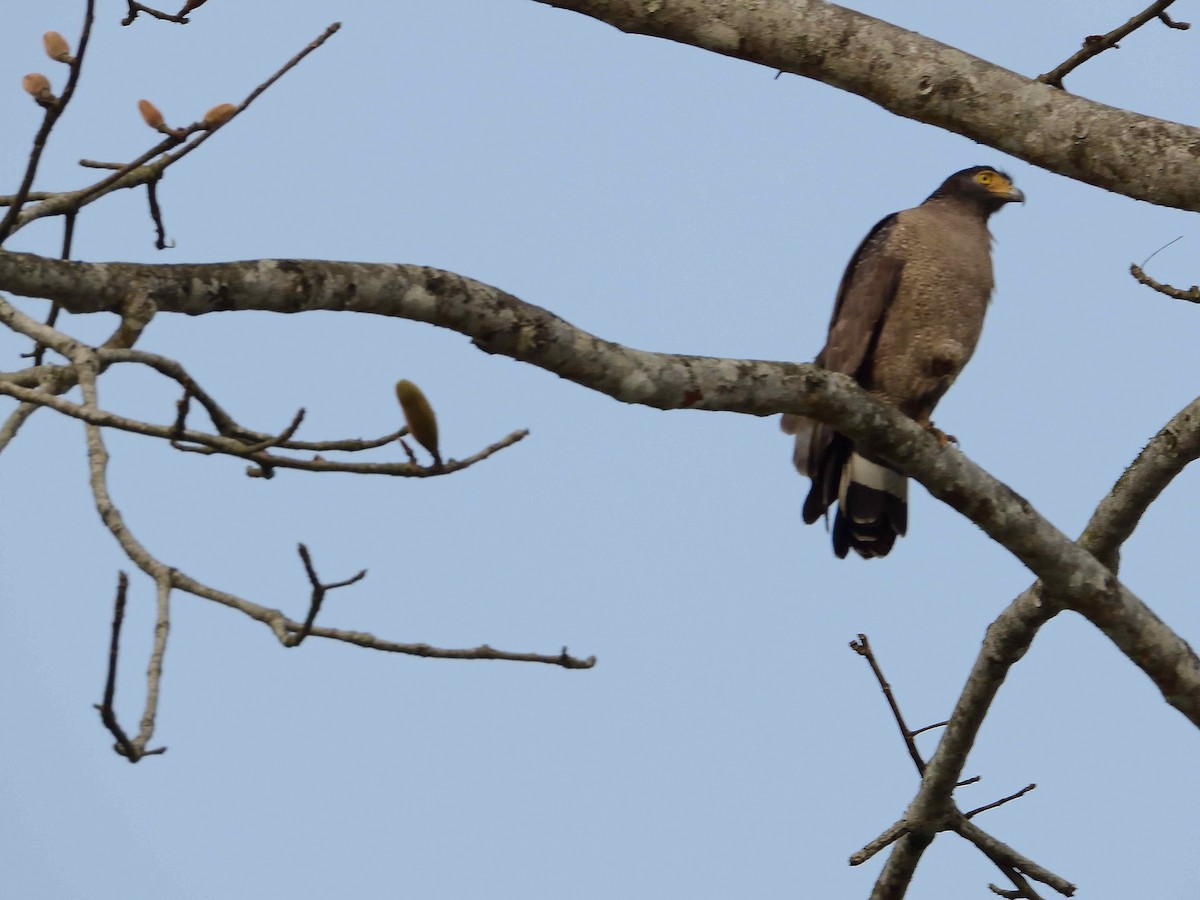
(160, 231)
(15, 420)
(162, 627)
(1167, 454)
(501, 323)
(319, 590)
(1000, 852)
(1021, 793)
(107, 715)
(211, 443)
(132, 750)
(1098, 43)
(135, 8)
(901, 865)
(863, 648)
(895, 885)
(1191, 295)
(1012, 633)
(882, 842)
(86, 363)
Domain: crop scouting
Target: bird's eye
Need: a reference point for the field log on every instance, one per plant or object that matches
(985, 177)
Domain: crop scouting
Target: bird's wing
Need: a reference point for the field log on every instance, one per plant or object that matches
(864, 296)
(867, 290)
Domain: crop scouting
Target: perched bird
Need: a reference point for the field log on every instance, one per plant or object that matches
(908, 315)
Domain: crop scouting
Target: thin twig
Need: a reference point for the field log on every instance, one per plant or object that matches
(141, 170)
(977, 810)
(281, 438)
(54, 111)
(86, 363)
(1096, 44)
(135, 8)
(107, 715)
(208, 444)
(863, 648)
(162, 627)
(1191, 295)
(160, 231)
(319, 590)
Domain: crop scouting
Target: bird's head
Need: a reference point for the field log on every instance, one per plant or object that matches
(988, 187)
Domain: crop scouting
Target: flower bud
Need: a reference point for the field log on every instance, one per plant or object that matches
(37, 86)
(150, 114)
(57, 47)
(418, 415)
(219, 115)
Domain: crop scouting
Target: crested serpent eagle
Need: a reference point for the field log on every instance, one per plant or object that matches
(908, 315)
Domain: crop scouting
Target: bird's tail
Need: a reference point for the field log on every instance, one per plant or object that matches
(872, 508)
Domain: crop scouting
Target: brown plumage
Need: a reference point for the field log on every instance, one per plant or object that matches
(907, 318)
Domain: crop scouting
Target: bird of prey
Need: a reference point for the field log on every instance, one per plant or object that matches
(908, 315)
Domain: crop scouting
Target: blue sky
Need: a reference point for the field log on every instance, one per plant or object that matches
(727, 743)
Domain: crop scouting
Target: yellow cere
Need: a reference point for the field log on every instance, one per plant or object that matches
(994, 181)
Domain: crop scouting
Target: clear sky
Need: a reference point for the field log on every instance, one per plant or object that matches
(728, 744)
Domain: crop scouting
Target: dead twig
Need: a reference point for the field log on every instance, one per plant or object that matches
(863, 648)
(132, 750)
(1191, 295)
(179, 18)
(1095, 44)
(1011, 797)
(910, 841)
(319, 590)
(160, 231)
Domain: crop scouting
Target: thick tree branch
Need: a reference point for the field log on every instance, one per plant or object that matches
(500, 323)
(1012, 633)
(921, 79)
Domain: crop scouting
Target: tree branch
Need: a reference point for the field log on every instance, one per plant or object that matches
(54, 110)
(1097, 43)
(1008, 638)
(500, 323)
(1004, 858)
(1191, 295)
(921, 79)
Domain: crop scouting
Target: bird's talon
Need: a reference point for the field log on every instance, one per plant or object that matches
(942, 438)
